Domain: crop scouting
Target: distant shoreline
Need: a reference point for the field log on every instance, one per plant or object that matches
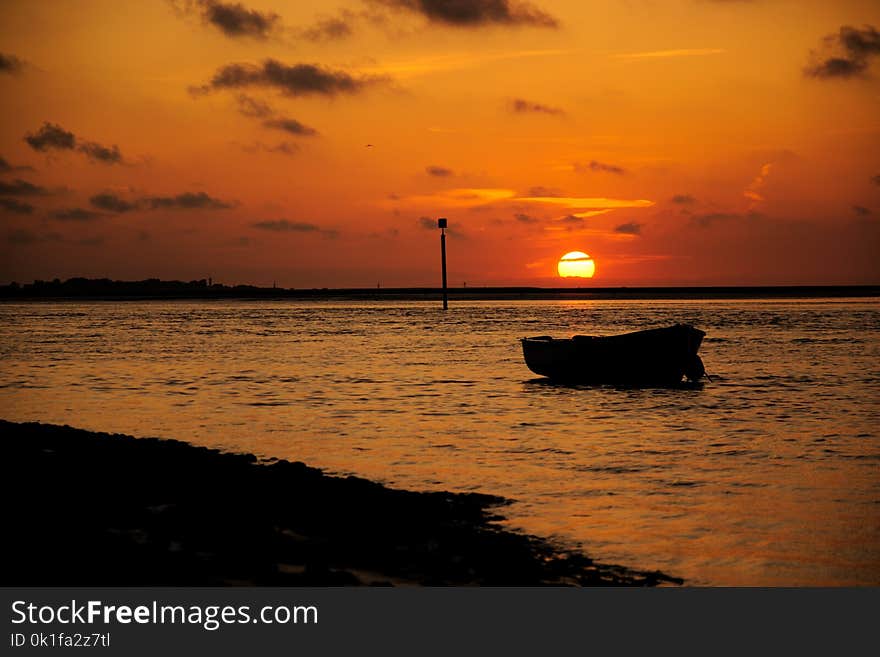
(154, 289)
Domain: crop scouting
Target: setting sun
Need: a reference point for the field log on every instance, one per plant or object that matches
(576, 264)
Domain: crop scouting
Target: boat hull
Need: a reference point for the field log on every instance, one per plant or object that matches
(652, 357)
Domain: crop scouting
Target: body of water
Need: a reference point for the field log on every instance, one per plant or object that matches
(769, 475)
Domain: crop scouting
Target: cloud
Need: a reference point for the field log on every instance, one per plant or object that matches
(522, 106)
(589, 203)
(438, 171)
(10, 64)
(100, 153)
(543, 191)
(629, 229)
(19, 187)
(861, 210)
(475, 13)
(683, 199)
(6, 167)
(285, 226)
(295, 80)
(283, 148)
(572, 219)
(525, 218)
(253, 107)
(330, 29)
(75, 214)
(112, 203)
(428, 223)
(11, 205)
(662, 54)
(232, 18)
(50, 136)
(292, 126)
(876, 179)
(752, 192)
(845, 54)
(600, 167)
(185, 201)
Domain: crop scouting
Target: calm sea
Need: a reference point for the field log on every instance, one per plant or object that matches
(769, 475)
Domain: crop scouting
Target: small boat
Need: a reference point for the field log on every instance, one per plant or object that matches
(653, 357)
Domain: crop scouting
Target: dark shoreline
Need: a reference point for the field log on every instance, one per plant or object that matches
(95, 509)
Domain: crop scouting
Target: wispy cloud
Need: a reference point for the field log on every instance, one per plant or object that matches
(454, 61)
(752, 192)
(589, 203)
(285, 226)
(662, 54)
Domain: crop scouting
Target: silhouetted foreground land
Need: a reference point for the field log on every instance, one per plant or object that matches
(103, 288)
(92, 509)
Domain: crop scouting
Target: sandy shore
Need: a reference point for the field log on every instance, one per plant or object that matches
(90, 509)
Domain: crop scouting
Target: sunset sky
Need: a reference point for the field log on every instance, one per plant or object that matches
(694, 142)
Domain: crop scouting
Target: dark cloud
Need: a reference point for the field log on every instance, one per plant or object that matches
(292, 126)
(6, 167)
(683, 199)
(253, 107)
(185, 201)
(50, 136)
(21, 237)
(544, 191)
(330, 29)
(629, 229)
(285, 226)
(112, 203)
(295, 80)
(521, 106)
(103, 154)
(428, 223)
(846, 54)
(236, 20)
(90, 241)
(600, 167)
(876, 179)
(10, 64)
(861, 210)
(440, 172)
(20, 187)
(525, 218)
(476, 13)
(571, 220)
(11, 205)
(75, 214)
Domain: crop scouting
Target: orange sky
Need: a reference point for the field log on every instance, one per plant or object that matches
(314, 144)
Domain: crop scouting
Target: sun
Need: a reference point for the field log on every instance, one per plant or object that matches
(576, 264)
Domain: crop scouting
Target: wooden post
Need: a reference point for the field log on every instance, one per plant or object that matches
(441, 222)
